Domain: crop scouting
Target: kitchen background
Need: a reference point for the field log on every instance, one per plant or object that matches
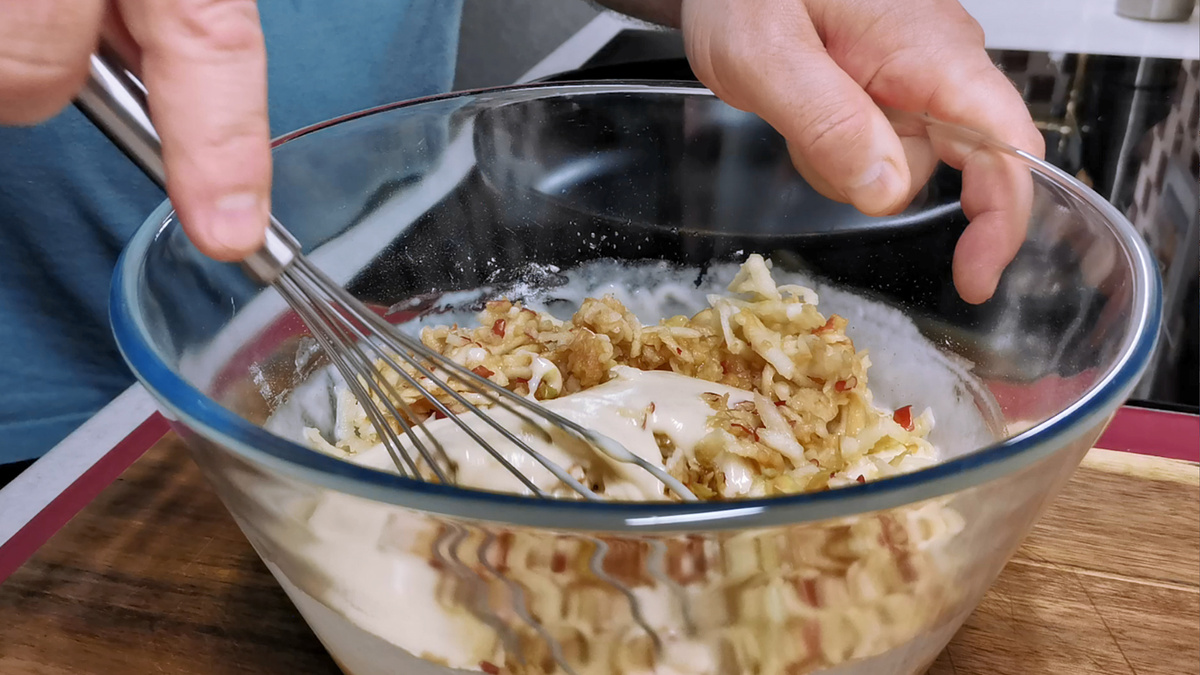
(1125, 124)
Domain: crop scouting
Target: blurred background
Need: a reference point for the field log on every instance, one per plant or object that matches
(499, 41)
(1126, 124)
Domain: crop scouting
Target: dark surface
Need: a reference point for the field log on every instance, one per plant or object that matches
(1189, 392)
(1116, 102)
(566, 180)
(10, 471)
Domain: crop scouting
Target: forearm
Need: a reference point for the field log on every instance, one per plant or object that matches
(661, 12)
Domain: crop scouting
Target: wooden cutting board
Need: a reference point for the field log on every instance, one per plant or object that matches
(154, 577)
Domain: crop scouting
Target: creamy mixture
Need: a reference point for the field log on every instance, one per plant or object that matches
(630, 409)
(758, 394)
(713, 400)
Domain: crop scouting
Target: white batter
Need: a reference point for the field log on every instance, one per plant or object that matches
(382, 608)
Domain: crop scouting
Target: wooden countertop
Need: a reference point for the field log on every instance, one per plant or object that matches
(154, 577)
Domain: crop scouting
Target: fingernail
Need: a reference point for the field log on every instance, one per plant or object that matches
(976, 280)
(977, 291)
(877, 190)
(239, 222)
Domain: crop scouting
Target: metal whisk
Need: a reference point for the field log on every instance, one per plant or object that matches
(355, 338)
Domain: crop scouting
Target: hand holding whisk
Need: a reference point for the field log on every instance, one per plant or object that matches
(361, 344)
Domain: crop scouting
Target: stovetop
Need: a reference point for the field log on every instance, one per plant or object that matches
(1126, 126)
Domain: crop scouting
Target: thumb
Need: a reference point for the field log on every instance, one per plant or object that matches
(204, 65)
(775, 65)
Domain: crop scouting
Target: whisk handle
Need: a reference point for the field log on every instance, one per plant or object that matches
(115, 101)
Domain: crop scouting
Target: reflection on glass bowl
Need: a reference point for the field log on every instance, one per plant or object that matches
(417, 205)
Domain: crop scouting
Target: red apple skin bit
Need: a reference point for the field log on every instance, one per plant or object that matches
(748, 430)
(649, 412)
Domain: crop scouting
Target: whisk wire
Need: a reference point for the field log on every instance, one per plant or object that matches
(433, 400)
(404, 347)
(402, 343)
(327, 338)
(596, 565)
(345, 332)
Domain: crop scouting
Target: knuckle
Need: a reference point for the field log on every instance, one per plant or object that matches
(837, 125)
(736, 52)
(972, 30)
(966, 72)
(215, 26)
(1032, 141)
(954, 22)
(34, 88)
(233, 155)
(722, 63)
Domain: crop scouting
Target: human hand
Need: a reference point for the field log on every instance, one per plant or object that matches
(820, 70)
(204, 66)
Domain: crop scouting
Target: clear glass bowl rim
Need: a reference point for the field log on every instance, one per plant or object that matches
(186, 405)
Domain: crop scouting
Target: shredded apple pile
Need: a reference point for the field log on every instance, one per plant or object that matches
(810, 426)
(778, 601)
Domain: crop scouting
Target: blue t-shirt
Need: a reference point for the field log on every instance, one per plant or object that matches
(69, 200)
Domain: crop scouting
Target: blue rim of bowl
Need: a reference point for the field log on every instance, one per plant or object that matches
(188, 406)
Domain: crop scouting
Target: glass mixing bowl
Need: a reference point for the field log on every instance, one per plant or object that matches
(411, 203)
